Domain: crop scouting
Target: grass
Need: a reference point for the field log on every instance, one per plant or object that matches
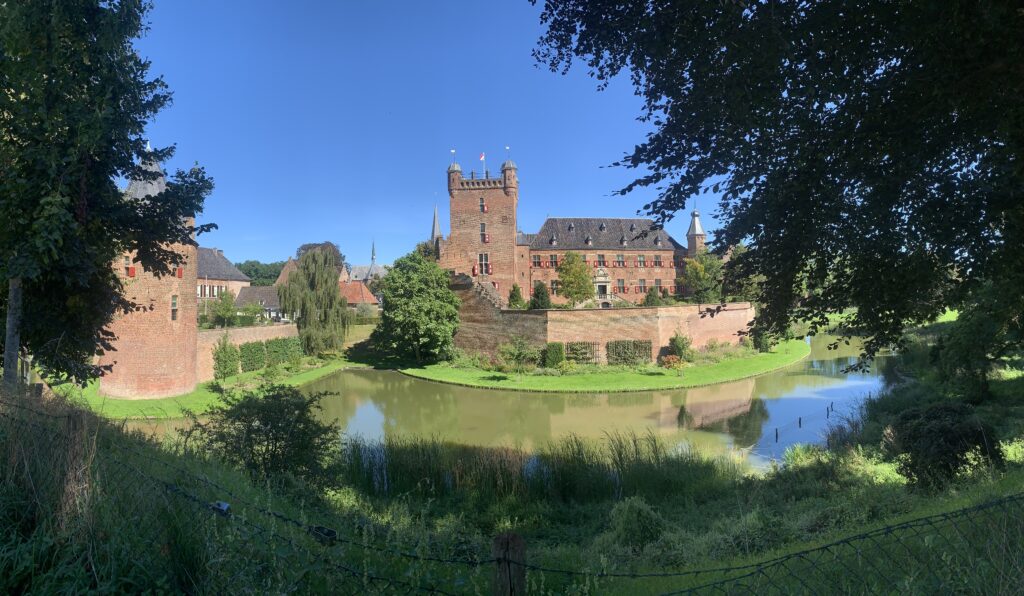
(603, 380)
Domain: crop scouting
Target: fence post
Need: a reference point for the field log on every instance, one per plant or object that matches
(509, 579)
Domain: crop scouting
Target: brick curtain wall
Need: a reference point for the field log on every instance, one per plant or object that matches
(208, 338)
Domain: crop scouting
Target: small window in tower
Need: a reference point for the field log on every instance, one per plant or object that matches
(483, 259)
(483, 205)
(174, 308)
(483, 233)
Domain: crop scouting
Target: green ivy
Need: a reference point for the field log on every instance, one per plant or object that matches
(629, 351)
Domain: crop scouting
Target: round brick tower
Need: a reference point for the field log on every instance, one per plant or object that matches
(154, 350)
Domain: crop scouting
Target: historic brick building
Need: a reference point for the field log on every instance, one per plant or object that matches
(628, 257)
(154, 353)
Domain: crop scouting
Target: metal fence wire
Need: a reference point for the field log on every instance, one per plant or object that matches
(976, 549)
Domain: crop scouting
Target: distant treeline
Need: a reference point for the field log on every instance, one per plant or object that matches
(261, 274)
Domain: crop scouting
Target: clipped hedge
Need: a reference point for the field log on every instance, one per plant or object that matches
(252, 356)
(554, 354)
(629, 351)
(582, 352)
(283, 349)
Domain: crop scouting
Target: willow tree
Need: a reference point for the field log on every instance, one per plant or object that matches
(75, 98)
(313, 297)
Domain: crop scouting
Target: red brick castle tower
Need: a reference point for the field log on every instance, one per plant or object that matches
(154, 353)
(483, 226)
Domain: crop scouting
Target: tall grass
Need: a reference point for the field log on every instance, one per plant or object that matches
(572, 469)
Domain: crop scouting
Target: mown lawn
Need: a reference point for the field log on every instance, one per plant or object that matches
(619, 379)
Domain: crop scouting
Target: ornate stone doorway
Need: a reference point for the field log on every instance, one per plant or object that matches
(601, 284)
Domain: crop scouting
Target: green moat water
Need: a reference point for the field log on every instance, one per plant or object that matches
(738, 417)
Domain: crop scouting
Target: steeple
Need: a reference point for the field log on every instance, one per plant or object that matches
(435, 230)
(695, 236)
(373, 253)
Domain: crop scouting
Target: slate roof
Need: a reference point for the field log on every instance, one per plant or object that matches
(695, 228)
(356, 292)
(214, 265)
(603, 233)
(140, 189)
(265, 296)
(524, 239)
(366, 272)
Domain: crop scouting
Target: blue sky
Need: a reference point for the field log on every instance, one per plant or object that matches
(334, 120)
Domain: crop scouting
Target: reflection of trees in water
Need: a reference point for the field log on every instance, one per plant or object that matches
(745, 428)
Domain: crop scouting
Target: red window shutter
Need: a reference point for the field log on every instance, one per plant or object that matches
(474, 270)
(131, 272)
(487, 237)
(485, 208)
(180, 272)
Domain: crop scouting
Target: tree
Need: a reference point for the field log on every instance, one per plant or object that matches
(75, 98)
(261, 274)
(270, 433)
(224, 309)
(312, 293)
(519, 354)
(574, 275)
(702, 277)
(420, 314)
(540, 299)
(427, 249)
(653, 298)
(326, 245)
(515, 298)
(870, 158)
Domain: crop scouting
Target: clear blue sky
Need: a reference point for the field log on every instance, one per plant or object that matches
(334, 120)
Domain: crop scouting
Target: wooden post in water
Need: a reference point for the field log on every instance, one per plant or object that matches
(509, 579)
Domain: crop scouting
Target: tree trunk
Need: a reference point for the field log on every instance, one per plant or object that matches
(12, 342)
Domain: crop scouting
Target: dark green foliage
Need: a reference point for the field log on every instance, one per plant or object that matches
(554, 354)
(519, 354)
(76, 100)
(633, 524)
(849, 189)
(322, 313)
(252, 355)
(702, 277)
(628, 351)
(421, 313)
(223, 310)
(653, 298)
(515, 298)
(225, 359)
(261, 274)
(427, 250)
(272, 434)
(934, 442)
(574, 275)
(282, 350)
(327, 246)
(581, 352)
(541, 298)
(681, 346)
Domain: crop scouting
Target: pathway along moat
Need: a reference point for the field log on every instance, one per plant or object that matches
(739, 416)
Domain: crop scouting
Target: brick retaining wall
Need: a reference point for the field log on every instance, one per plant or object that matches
(208, 338)
(483, 326)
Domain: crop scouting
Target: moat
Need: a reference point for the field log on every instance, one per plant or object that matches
(739, 416)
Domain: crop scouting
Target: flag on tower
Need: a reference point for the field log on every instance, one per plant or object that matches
(481, 157)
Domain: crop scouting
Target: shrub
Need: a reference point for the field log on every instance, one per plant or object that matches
(515, 298)
(554, 354)
(935, 442)
(681, 345)
(519, 354)
(291, 439)
(566, 367)
(634, 524)
(283, 349)
(252, 355)
(671, 361)
(364, 312)
(629, 351)
(581, 352)
(541, 298)
(225, 359)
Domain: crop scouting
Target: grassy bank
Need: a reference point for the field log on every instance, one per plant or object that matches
(611, 379)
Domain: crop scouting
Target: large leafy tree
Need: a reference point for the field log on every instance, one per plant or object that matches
(870, 154)
(75, 98)
(420, 314)
(261, 274)
(312, 294)
(702, 277)
(576, 283)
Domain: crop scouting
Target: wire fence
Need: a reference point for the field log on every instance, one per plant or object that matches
(171, 511)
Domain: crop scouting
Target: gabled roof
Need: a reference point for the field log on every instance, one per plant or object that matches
(356, 292)
(289, 266)
(600, 233)
(367, 272)
(214, 265)
(265, 296)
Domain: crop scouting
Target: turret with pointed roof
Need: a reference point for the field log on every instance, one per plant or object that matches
(695, 236)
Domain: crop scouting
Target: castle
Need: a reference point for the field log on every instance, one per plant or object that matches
(628, 256)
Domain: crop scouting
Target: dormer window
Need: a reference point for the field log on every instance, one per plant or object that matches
(632, 227)
(572, 226)
(602, 227)
(622, 240)
(589, 241)
(657, 240)
(554, 240)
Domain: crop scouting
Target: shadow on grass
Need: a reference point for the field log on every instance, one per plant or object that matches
(495, 378)
(364, 352)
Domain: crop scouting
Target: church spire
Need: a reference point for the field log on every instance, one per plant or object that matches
(373, 252)
(435, 230)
